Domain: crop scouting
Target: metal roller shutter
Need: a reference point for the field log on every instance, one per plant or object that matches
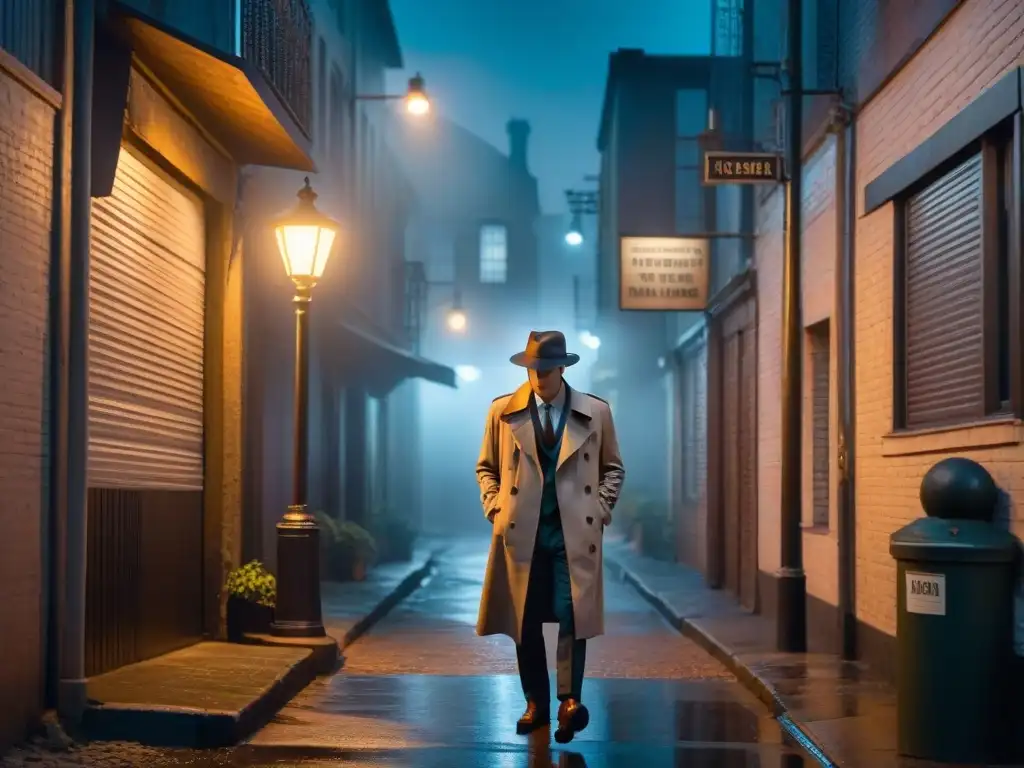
(147, 310)
(944, 299)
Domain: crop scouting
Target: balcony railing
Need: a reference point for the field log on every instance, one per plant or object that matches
(276, 36)
(28, 31)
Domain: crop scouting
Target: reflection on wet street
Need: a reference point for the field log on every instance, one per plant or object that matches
(422, 690)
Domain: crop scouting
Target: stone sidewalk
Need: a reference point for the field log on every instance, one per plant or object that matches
(216, 694)
(835, 709)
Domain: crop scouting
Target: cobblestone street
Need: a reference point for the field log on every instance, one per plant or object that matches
(422, 690)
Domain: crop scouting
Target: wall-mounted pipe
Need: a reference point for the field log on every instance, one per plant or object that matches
(72, 697)
(846, 218)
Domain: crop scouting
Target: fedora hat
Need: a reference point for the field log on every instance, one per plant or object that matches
(545, 350)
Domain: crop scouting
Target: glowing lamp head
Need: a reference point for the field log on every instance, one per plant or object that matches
(305, 238)
(457, 321)
(416, 101)
(573, 238)
(467, 373)
(589, 340)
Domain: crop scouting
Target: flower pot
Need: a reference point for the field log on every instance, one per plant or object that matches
(245, 617)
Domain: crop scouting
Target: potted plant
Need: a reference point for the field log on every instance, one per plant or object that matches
(395, 537)
(252, 594)
(356, 550)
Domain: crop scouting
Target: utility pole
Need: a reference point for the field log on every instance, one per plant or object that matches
(792, 618)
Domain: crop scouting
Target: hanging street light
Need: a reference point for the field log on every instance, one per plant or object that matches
(305, 238)
(456, 319)
(416, 101)
(574, 237)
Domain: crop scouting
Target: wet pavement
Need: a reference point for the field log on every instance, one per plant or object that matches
(422, 690)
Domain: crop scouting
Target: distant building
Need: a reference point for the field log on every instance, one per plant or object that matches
(363, 409)
(471, 244)
(653, 128)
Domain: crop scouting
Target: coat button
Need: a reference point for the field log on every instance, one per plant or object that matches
(512, 525)
(586, 489)
(593, 548)
(514, 490)
(586, 457)
(590, 521)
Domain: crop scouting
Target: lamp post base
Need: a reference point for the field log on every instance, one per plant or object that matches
(792, 617)
(298, 612)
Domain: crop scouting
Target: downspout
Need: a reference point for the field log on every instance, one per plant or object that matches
(846, 217)
(72, 698)
(59, 324)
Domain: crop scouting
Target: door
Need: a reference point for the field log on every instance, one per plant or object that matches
(738, 489)
(147, 305)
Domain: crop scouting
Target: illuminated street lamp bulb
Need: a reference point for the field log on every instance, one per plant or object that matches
(304, 239)
(467, 373)
(573, 238)
(416, 101)
(589, 340)
(457, 320)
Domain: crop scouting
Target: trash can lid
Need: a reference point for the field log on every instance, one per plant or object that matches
(940, 540)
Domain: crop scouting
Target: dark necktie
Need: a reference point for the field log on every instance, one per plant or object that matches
(549, 428)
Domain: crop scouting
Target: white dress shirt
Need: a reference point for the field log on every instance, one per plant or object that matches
(557, 406)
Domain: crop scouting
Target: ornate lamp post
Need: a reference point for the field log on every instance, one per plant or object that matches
(305, 238)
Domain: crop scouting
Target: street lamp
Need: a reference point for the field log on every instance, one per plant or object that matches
(589, 340)
(467, 373)
(416, 101)
(581, 202)
(574, 237)
(456, 319)
(415, 97)
(305, 238)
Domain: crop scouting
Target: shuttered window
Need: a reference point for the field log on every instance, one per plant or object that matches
(146, 315)
(944, 317)
(953, 334)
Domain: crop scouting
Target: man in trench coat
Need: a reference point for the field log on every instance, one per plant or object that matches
(549, 474)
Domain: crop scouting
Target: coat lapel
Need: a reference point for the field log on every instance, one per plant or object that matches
(517, 416)
(578, 426)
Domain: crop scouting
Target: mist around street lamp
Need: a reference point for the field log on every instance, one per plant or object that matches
(573, 238)
(467, 373)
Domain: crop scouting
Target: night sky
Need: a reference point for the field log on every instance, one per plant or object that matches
(485, 61)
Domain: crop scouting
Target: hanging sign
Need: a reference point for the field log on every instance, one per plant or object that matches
(742, 168)
(663, 274)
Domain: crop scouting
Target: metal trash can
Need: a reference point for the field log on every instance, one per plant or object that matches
(954, 620)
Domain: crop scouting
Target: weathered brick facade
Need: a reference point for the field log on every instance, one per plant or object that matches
(978, 43)
(26, 180)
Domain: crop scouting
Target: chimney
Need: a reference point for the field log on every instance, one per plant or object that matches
(518, 140)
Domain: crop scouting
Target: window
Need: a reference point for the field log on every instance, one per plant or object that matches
(334, 141)
(493, 253)
(321, 95)
(819, 350)
(954, 299)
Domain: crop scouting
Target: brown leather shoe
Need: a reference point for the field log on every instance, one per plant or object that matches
(573, 717)
(533, 718)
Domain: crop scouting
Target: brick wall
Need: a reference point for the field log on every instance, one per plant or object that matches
(977, 44)
(26, 167)
(818, 291)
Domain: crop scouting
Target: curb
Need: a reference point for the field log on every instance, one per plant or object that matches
(412, 581)
(753, 682)
(163, 726)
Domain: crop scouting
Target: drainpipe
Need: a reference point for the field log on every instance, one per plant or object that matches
(59, 324)
(792, 618)
(846, 214)
(72, 692)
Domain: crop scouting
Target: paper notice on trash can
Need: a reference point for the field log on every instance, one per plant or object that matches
(926, 593)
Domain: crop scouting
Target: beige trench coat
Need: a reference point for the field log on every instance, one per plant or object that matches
(588, 479)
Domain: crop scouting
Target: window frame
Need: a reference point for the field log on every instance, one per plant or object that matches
(483, 250)
(1001, 190)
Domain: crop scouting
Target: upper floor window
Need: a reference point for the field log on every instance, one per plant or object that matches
(493, 253)
(953, 347)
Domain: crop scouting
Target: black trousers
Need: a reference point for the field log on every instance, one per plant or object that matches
(549, 594)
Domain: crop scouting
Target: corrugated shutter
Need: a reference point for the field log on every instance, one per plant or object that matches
(147, 308)
(944, 299)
